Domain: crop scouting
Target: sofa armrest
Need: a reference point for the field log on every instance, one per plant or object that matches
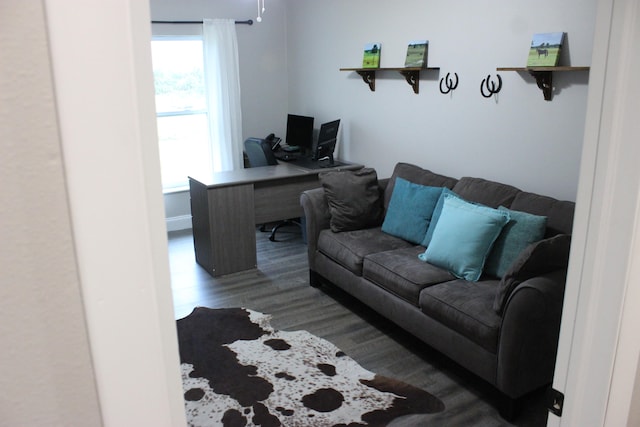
(317, 217)
(529, 334)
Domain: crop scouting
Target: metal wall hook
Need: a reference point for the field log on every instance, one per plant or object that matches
(449, 83)
(490, 86)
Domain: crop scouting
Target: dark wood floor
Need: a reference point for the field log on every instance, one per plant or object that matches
(280, 287)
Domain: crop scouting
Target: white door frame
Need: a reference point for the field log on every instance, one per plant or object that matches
(104, 93)
(599, 344)
(101, 58)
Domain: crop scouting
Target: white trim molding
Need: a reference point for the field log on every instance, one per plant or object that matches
(176, 223)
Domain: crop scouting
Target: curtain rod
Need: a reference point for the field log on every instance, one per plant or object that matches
(247, 22)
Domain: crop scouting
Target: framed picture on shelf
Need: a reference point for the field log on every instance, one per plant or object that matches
(417, 52)
(545, 49)
(371, 58)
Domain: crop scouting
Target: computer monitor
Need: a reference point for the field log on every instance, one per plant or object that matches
(300, 132)
(327, 138)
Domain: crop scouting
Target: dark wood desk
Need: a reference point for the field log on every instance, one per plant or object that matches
(226, 206)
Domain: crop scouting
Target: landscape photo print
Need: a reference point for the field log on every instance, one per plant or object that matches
(545, 49)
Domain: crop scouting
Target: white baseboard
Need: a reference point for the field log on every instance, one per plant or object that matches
(182, 222)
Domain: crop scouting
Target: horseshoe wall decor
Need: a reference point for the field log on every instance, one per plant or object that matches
(490, 85)
(449, 83)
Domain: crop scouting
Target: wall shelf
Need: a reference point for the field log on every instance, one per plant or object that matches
(411, 75)
(544, 76)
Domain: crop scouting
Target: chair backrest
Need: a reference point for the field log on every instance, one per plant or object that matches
(259, 153)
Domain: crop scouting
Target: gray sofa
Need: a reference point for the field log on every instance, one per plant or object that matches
(504, 330)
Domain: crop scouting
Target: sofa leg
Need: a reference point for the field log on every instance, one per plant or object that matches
(314, 279)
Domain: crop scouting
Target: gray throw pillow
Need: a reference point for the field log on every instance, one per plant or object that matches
(538, 258)
(354, 199)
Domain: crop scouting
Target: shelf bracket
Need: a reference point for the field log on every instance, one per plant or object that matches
(544, 80)
(413, 78)
(369, 77)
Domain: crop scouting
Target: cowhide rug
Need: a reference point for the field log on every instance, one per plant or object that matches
(238, 371)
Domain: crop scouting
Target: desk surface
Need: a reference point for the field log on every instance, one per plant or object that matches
(266, 173)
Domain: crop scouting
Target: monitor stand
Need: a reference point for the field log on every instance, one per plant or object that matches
(327, 162)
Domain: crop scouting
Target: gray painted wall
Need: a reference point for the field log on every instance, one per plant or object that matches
(290, 63)
(518, 139)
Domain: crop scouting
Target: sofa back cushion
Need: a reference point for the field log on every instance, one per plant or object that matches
(488, 193)
(559, 213)
(417, 175)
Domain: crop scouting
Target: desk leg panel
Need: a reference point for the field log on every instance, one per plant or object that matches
(200, 222)
(233, 231)
(224, 228)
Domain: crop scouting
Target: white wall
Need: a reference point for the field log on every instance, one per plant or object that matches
(522, 139)
(46, 373)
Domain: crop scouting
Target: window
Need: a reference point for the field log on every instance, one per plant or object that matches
(181, 108)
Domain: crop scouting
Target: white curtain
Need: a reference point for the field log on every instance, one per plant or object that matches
(223, 93)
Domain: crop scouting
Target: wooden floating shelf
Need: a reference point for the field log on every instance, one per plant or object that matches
(411, 75)
(544, 76)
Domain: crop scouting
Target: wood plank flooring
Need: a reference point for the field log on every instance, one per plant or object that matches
(280, 287)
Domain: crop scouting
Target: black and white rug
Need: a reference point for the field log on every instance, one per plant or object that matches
(238, 371)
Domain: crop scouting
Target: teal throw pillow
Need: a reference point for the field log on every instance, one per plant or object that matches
(410, 210)
(463, 237)
(522, 229)
(436, 215)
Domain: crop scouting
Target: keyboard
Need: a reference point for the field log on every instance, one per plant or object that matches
(286, 157)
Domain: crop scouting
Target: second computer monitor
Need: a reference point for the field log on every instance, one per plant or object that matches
(327, 138)
(300, 132)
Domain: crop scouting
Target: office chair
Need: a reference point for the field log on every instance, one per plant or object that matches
(259, 153)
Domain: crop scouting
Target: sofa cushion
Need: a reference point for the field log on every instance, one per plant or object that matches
(465, 307)
(538, 258)
(522, 229)
(416, 175)
(410, 210)
(559, 213)
(402, 273)
(463, 237)
(489, 193)
(354, 199)
(349, 248)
